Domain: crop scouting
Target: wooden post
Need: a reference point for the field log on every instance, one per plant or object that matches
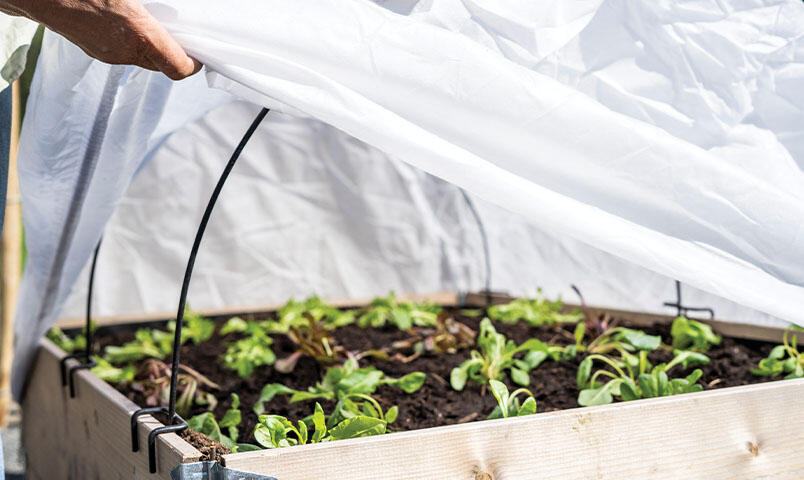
(12, 260)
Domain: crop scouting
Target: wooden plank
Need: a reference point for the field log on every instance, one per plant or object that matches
(12, 259)
(442, 298)
(741, 433)
(88, 437)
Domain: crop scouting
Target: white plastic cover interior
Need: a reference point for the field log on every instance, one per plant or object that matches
(664, 134)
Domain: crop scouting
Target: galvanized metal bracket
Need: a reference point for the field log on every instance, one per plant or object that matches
(212, 471)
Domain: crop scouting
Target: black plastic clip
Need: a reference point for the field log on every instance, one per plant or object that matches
(681, 310)
(177, 424)
(65, 375)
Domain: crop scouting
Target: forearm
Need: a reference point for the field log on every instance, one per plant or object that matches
(113, 31)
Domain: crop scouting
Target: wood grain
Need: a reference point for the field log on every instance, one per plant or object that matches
(741, 433)
(88, 437)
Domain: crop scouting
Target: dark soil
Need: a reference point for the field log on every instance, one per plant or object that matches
(209, 448)
(436, 403)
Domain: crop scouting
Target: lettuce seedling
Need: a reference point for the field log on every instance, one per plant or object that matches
(535, 311)
(508, 403)
(339, 382)
(496, 354)
(274, 431)
(404, 315)
(784, 358)
(625, 341)
(295, 313)
(196, 328)
(111, 374)
(148, 343)
(630, 384)
(64, 342)
(247, 354)
(205, 423)
(693, 335)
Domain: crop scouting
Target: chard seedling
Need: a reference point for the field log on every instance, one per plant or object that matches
(508, 403)
(313, 339)
(274, 431)
(496, 354)
(643, 381)
(535, 311)
(693, 335)
(783, 359)
(404, 315)
(247, 354)
(340, 382)
(153, 381)
(448, 336)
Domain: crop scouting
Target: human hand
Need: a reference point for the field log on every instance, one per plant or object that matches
(113, 31)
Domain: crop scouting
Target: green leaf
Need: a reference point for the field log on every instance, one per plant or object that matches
(364, 380)
(459, 375)
(359, 426)
(528, 407)
(584, 372)
(629, 390)
(234, 324)
(520, 377)
(410, 382)
(500, 392)
(579, 332)
(319, 422)
(640, 340)
(595, 396)
(268, 393)
(392, 414)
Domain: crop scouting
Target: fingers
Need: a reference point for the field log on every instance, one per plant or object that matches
(166, 55)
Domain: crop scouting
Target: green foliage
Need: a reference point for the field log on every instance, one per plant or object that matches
(247, 354)
(148, 343)
(196, 328)
(632, 382)
(403, 315)
(64, 342)
(508, 403)
(340, 382)
(784, 358)
(274, 431)
(535, 311)
(238, 325)
(496, 354)
(626, 341)
(109, 373)
(205, 423)
(693, 335)
(295, 313)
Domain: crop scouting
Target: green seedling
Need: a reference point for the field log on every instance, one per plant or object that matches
(495, 356)
(196, 328)
(238, 325)
(148, 343)
(625, 341)
(109, 373)
(274, 431)
(314, 339)
(534, 311)
(340, 382)
(153, 381)
(64, 342)
(403, 315)
(693, 335)
(448, 336)
(295, 314)
(247, 354)
(508, 403)
(784, 358)
(205, 423)
(643, 381)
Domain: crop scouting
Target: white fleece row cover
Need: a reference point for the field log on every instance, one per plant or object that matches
(663, 133)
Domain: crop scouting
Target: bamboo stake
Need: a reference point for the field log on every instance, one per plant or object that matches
(12, 260)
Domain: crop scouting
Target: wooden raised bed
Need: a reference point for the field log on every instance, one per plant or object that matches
(748, 432)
